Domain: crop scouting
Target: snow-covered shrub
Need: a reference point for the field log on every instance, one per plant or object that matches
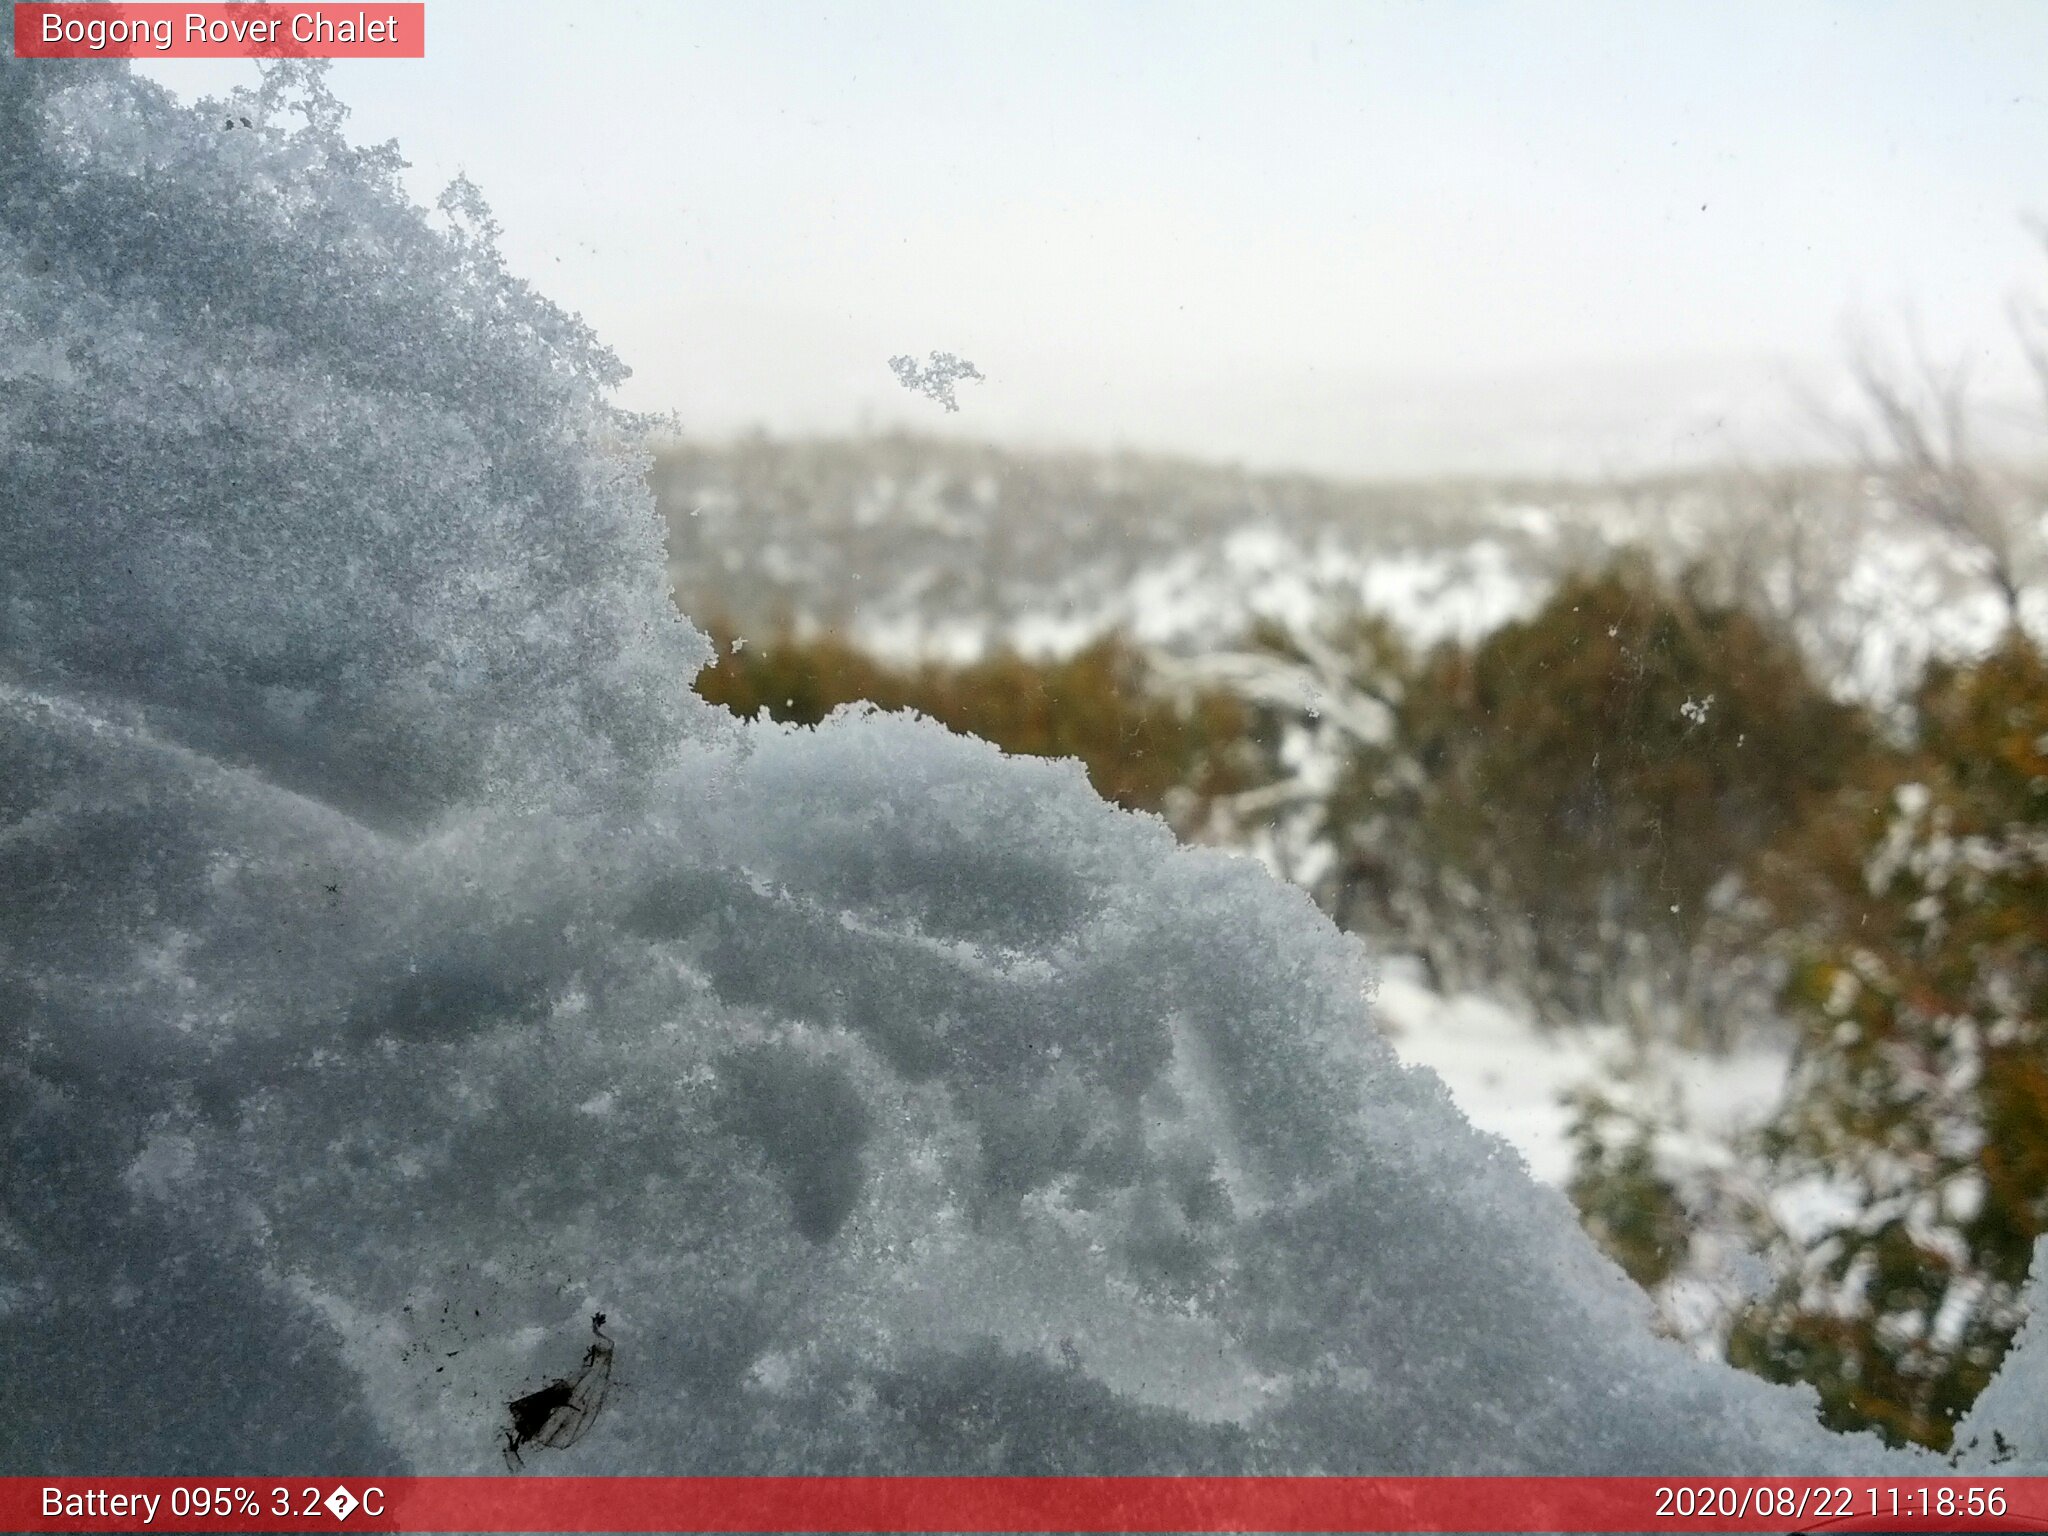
(401, 965)
(1576, 799)
(1919, 1099)
(1631, 1206)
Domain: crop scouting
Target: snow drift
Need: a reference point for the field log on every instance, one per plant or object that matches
(402, 964)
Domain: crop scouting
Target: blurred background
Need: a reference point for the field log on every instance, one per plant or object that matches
(1565, 484)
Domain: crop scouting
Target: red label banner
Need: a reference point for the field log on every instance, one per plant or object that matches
(69, 30)
(1019, 1504)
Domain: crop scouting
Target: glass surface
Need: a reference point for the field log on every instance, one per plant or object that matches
(853, 682)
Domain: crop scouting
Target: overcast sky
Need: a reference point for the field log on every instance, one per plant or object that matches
(1369, 238)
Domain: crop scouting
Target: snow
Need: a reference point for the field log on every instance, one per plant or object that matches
(1457, 595)
(1260, 573)
(402, 965)
(1517, 1079)
(2009, 1423)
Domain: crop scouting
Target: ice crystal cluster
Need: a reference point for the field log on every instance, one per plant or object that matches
(935, 381)
(400, 963)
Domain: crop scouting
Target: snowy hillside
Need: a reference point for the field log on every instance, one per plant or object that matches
(921, 547)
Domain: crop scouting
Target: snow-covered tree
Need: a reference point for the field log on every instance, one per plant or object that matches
(1570, 806)
(1919, 1102)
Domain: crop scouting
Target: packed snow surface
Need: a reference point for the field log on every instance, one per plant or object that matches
(401, 964)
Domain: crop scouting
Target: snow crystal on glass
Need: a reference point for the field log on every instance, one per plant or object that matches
(936, 379)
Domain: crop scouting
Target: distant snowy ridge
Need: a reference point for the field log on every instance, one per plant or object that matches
(402, 965)
(916, 548)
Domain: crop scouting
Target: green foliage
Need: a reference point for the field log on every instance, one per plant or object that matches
(1921, 1088)
(1585, 788)
(1626, 1204)
(1142, 751)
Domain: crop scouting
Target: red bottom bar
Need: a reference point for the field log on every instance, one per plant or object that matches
(1020, 1504)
